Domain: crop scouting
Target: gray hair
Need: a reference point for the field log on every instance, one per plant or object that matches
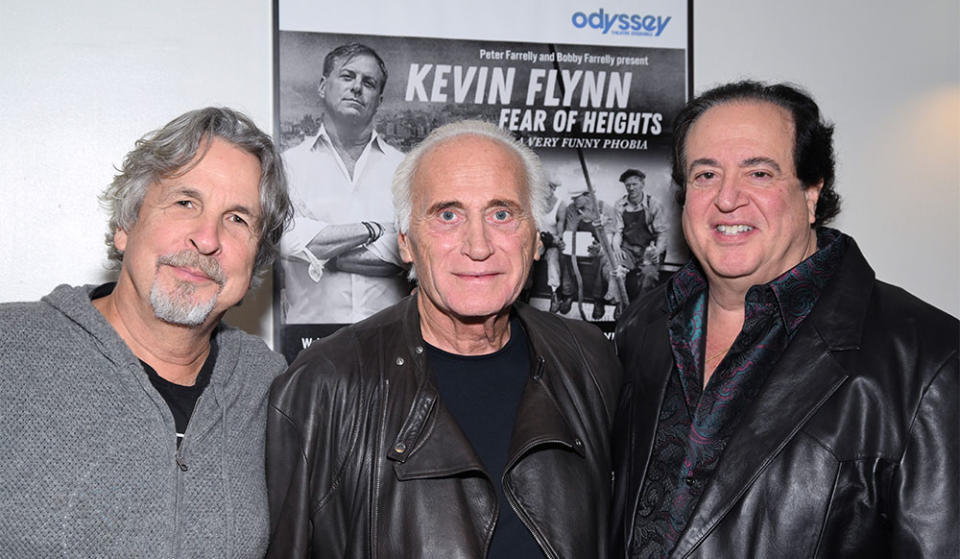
(538, 191)
(172, 151)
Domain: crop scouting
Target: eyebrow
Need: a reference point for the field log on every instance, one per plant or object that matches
(363, 75)
(194, 193)
(442, 205)
(175, 191)
(241, 209)
(704, 161)
(495, 203)
(753, 161)
(750, 162)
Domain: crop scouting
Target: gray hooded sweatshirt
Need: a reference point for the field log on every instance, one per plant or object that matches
(89, 465)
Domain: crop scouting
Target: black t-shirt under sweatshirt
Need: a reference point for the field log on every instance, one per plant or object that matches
(181, 399)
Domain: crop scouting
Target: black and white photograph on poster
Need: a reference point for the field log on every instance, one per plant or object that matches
(350, 106)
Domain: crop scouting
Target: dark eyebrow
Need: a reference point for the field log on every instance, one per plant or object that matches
(442, 205)
(745, 163)
(704, 161)
(761, 161)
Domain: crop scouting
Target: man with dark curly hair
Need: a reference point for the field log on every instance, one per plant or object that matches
(780, 401)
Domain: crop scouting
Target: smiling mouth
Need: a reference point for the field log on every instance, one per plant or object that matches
(733, 229)
(192, 273)
(193, 267)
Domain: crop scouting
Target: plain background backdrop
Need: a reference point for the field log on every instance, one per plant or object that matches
(81, 81)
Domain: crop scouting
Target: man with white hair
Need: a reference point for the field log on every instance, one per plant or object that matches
(457, 423)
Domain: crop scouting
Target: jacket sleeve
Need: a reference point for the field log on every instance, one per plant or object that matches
(288, 475)
(926, 500)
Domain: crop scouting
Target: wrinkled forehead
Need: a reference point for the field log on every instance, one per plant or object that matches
(484, 163)
(748, 121)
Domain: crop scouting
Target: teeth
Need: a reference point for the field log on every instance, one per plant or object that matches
(733, 229)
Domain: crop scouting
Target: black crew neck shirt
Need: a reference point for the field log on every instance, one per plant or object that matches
(483, 393)
(183, 399)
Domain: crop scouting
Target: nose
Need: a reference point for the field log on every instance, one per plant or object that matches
(205, 236)
(476, 244)
(730, 195)
(355, 85)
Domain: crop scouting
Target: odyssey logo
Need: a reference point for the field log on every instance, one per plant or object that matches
(621, 24)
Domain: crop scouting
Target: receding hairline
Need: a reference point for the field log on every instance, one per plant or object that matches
(743, 101)
(466, 137)
(525, 192)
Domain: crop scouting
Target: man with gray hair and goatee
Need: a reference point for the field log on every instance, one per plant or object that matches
(132, 420)
(458, 422)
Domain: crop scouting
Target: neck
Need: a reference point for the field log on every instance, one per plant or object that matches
(347, 136)
(725, 296)
(177, 353)
(724, 322)
(453, 335)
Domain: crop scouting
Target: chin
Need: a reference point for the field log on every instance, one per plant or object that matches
(477, 309)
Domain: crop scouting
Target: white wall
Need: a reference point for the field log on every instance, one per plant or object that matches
(888, 75)
(80, 82)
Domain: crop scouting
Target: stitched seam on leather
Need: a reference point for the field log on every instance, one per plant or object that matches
(292, 424)
(821, 444)
(378, 467)
(413, 433)
(909, 437)
(916, 412)
(708, 528)
(531, 524)
(350, 448)
(826, 513)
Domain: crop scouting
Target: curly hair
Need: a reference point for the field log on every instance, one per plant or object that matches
(173, 150)
(813, 155)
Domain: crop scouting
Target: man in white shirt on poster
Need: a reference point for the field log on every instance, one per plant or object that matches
(340, 259)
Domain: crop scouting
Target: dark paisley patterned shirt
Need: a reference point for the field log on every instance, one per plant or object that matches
(694, 424)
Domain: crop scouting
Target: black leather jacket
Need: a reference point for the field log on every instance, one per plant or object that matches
(850, 450)
(364, 461)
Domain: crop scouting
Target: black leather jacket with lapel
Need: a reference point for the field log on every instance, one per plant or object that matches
(850, 450)
(363, 460)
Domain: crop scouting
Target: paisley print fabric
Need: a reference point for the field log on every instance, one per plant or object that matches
(696, 422)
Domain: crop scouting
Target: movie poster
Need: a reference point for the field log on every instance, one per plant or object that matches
(349, 105)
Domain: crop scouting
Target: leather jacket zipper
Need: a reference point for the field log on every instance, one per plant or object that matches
(379, 465)
(541, 541)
